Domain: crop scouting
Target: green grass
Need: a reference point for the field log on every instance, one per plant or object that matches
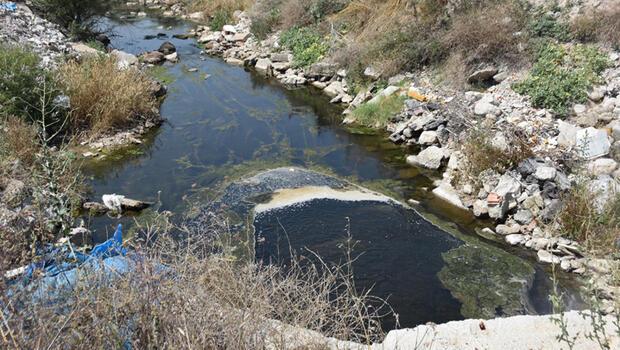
(378, 114)
(220, 18)
(306, 44)
(562, 76)
(161, 74)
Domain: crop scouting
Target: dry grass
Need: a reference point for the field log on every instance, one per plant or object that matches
(104, 98)
(599, 26)
(210, 7)
(597, 229)
(487, 33)
(481, 154)
(202, 300)
(18, 141)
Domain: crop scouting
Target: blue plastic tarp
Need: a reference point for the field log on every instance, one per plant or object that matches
(8, 6)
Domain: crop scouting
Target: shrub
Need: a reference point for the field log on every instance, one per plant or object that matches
(481, 155)
(600, 25)
(306, 44)
(77, 16)
(104, 97)
(486, 33)
(18, 140)
(545, 25)
(223, 9)
(378, 114)
(597, 228)
(201, 300)
(20, 79)
(220, 19)
(562, 76)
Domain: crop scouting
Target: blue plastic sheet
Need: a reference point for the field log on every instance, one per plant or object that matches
(8, 6)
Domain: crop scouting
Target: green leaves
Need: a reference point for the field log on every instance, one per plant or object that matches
(562, 76)
(306, 44)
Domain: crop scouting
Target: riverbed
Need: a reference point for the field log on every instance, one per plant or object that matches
(224, 122)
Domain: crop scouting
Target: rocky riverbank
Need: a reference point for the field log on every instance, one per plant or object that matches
(523, 199)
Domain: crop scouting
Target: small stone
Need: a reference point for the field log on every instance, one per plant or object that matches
(579, 109)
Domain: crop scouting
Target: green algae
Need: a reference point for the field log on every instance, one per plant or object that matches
(488, 282)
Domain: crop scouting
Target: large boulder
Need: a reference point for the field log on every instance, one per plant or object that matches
(167, 48)
(153, 57)
(264, 65)
(124, 60)
(322, 69)
(429, 158)
(592, 143)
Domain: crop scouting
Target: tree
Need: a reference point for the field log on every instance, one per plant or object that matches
(79, 17)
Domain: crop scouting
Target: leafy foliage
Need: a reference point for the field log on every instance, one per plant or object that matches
(306, 44)
(26, 89)
(545, 25)
(562, 76)
(220, 18)
(77, 16)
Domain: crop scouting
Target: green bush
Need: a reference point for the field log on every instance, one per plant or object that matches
(378, 114)
(77, 16)
(306, 44)
(23, 83)
(220, 18)
(545, 25)
(562, 76)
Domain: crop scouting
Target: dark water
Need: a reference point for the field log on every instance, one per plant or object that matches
(394, 251)
(235, 121)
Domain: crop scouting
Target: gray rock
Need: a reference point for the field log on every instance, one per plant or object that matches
(596, 95)
(372, 73)
(603, 189)
(551, 210)
(334, 89)
(523, 217)
(281, 57)
(482, 75)
(500, 210)
(539, 243)
(264, 65)
(485, 106)
(153, 57)
(322, 69)
(13, 192)
(167, 48)
(508, 184)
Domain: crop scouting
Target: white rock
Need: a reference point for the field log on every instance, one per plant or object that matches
(592, 143)
(446, 192)
(388, 91)
(545, 173)
(548, 258)
(123, 59)
(515, 239)
(229, 29)
(568, 134)
(602, 166)
(429, 158)
(428, 137)
(334, 89)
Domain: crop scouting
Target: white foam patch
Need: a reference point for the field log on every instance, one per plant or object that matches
(288, 197)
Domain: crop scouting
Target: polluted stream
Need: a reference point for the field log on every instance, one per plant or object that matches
(224, 123)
